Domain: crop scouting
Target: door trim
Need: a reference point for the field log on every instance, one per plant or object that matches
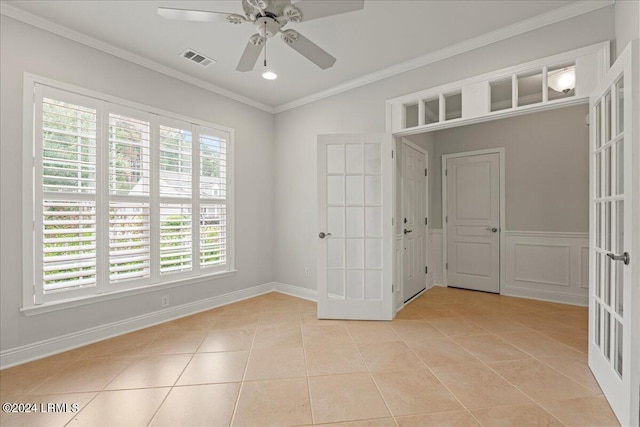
(503, 264)
(427, 226)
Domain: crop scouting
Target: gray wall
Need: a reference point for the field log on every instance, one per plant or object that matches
(27, 49)
(627, 22)
(362, 110)
(546, 167)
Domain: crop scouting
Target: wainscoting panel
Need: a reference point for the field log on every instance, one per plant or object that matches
(547, 265)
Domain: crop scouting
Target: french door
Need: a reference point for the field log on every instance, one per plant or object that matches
(355, 236)
(614, 303)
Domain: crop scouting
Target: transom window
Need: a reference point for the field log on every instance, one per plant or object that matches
(124, 197)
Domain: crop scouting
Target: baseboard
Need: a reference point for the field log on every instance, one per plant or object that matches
(549, 296)
(49, 347)
(296, 291)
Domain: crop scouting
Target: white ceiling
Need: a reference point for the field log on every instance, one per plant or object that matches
(384, 34)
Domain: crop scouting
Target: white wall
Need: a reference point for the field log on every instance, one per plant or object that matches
(627, 22)
(362, 110)
(27, 49)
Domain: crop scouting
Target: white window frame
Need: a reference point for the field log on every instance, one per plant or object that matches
(33, 301)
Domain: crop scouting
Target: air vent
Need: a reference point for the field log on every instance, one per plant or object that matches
(198, 58)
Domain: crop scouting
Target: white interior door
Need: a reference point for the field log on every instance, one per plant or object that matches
(413, 222)
(614, 303)
(473, 222)
(355, 240)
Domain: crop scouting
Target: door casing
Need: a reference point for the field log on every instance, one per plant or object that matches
(500, 152)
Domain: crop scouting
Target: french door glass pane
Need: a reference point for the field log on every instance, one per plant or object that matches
(354, 158)
(355, 253)
(617, 362)
(335, 190)
(335, 221)
(373, 284)
(607, 171)
(335, 282)
(355, 222)
(354, 190)
(598, 324)
(335, 159)
(620, 166)
(619, 265)
(607, 118)
(606, 339)
(607, 281)
(598, 278)
(607, 226)
(354, 285)
(598, 222)
(598, 175)
(620, 110)
(598, 128)
(373, 221)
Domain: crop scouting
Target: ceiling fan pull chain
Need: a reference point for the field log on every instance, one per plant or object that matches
(265, 44)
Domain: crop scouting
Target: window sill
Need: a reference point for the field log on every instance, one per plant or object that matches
(92, 299)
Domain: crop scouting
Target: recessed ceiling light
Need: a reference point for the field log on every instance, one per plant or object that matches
(269, 75)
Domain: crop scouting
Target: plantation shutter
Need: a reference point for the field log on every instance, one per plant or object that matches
(65, 214)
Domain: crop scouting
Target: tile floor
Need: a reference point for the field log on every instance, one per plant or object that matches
(451, 358)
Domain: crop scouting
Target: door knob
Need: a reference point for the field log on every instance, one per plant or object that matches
(624, 257)
(407, 231)
(322, 234)
(492, 229)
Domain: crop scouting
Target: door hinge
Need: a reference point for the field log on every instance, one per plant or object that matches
(446, 219)
(426, 270)
(446, 172)
(446, 266)
(392, 154)
(425, 171)
(426, 221)
(392, 221)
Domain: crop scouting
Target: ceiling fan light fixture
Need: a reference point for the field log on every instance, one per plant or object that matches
(269, 75)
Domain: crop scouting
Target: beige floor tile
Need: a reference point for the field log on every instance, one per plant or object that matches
(249, 306)
(283, 319)
(410, 312)
(280, 305)
(125, 345)
(275, 363)
(414, 392)
(323, 334)
(282, 336)
(378, 422)
(333, 359)
(348, 397)
(455, 327)
(151, 371)
(573, 337)
(228, 340)
(478, 386)
(129, 408)
(371, 332)
(311, 318)
(22, 379)
(74, 402)
(539, 345)
(416, 330)
(440, 419)
(389, 356)
(208, 368)
(197, 322)
(258, 407)
(175, 343)
(200, 405)
(580, 412)
(442, 352)
(83, 376)
(516, 416)
(496, 324)
(490, 348)
(235, 321)
(576, 369)
(539, 381)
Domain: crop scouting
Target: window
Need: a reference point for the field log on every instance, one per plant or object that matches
(124, 197)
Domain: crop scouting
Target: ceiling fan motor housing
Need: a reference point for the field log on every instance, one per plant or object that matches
(267, 26)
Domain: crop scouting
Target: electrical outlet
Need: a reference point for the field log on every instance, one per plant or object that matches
(165, 301)
(307, 272)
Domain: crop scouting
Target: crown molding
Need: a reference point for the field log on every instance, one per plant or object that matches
(44, 24)
(561, 14)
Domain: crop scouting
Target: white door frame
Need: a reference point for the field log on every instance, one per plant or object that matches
(503, 264)
(426, 212)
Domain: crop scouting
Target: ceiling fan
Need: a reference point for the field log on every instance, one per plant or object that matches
(270, 17)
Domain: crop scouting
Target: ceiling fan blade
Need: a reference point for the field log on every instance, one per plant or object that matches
(249, 57)
(314, 9)
(192, 15)
(309, 50)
